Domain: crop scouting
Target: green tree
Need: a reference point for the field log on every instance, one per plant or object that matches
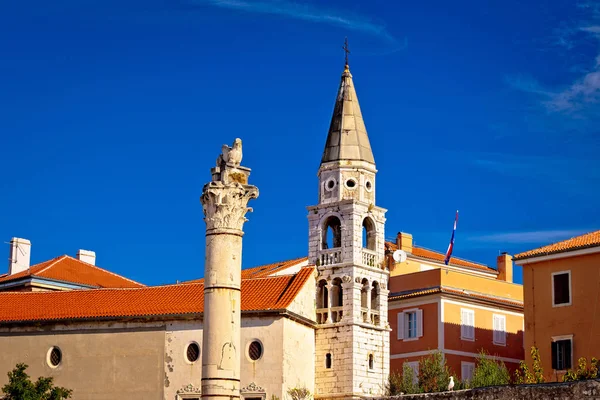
(402, 383)
(20, 387)
(489, 372)
(433, 373)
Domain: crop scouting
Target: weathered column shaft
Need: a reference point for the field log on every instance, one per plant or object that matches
(224, 202)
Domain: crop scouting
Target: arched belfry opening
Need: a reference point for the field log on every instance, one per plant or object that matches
(364, 294)
(375, 299)
(375, 296)
(369, 234)
(332, 233)
(337, 293)
(322, 294)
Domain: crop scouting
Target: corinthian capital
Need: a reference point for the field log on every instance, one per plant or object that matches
(225, 199)
(225, 205)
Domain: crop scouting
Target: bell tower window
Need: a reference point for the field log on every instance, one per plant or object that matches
(332, 233)
(368, 234)
(322, 295)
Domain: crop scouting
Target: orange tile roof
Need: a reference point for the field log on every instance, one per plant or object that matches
(273, 293)
(69, 269)
(263, 270)
(450, 290)
(591, 239)
(437, 256)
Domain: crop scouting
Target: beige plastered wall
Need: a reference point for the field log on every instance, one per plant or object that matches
(100, 361)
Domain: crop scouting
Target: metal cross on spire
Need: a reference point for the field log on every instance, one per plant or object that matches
(346, 49)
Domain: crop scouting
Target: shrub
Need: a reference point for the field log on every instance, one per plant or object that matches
(524, 375)
(433, 373)
(299, 393)
(20, 387)
(583, 371)
(489, 372)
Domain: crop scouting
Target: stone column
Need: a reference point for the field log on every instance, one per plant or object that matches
(368, 289)
(224, 202)
(329, 302)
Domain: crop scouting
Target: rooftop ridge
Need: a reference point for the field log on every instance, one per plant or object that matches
(104, 270)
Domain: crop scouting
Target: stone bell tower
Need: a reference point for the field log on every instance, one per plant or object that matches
(224, 202)
(346, 243)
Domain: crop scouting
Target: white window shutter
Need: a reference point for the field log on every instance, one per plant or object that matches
(463, 323)
(495, 325)
(464, 372)
(400, 326)
(471, 324)
(419, 323)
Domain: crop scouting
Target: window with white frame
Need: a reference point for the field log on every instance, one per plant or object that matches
(410, 324)
(499, 325)
(562, 353)
(414, 365)
(466, 370)
(467, 324)
(561, 289)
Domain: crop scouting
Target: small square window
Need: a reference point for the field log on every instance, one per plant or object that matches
(561, 288)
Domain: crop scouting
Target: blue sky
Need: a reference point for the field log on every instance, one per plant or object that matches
(113, 112)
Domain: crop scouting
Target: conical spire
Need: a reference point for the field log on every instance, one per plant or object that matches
(347, 138)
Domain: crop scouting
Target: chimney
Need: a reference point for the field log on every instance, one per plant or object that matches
(86, 256)
(404, 241)
(504, 265)
(19, 256)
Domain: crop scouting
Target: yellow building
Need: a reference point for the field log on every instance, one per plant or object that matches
(562, 311)
(459, 309)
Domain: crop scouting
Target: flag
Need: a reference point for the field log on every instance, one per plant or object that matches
(451, 245)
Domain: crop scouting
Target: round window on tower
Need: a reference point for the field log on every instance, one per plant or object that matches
(368, 186)
(351, 183)
(330, 184)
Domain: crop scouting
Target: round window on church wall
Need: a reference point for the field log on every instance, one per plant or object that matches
(369, 186)
(54, 357)
(255, 350)
(350, 183)
(193, 352)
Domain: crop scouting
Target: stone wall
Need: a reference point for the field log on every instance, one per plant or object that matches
(548, 391)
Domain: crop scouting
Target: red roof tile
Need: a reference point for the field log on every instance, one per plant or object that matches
(460, 292)
(271, 293)
(440, 257)
(69, 269)
(591, 239)
(264, 270)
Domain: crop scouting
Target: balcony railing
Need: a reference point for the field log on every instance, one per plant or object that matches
(369, 258)
(330, 256)
(322, 315)
(369, 317)
(337, 313)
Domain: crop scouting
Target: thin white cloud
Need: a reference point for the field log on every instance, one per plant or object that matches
(541, 236)
(311, 13)
(582, 95)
